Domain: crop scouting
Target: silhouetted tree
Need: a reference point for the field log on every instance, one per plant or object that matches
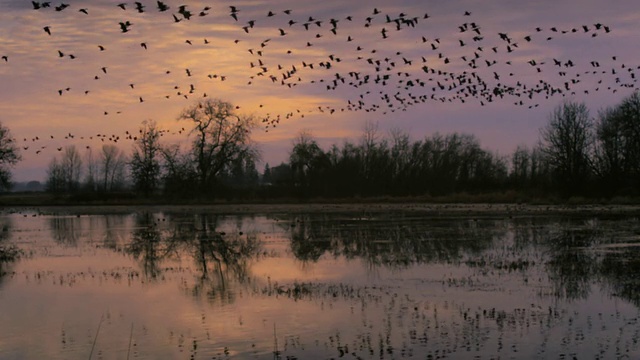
(220, 136)
(617, 154)
(307, 162)
(64, 175)
(145, 160)
(567, 142)
(9, 156)
(179, 176)
(90, 182)
(112, 168)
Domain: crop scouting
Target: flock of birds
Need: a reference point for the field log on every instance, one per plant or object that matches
(376, 62)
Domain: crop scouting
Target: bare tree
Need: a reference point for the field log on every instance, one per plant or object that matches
(90, 182)
(178, 175)
(55, 177)
(112, 167)
(145, 160)
(220, 136)
(617, 153)
(520, 166)
(64, 175)
(9, 156)
(72, 167)
(567, 142)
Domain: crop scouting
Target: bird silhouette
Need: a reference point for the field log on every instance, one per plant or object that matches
(162, 6)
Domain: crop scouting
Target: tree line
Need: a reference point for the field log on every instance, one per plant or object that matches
(576, 155)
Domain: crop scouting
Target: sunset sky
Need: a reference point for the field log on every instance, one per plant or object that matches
(495, 69)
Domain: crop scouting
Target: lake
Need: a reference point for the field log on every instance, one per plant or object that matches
(296, 285)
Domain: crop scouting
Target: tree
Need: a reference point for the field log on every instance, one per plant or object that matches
(610, 150)
(220, 136)
(90, 181)
(9, 156)
(179, 176)
(64, 175)
(307, 161)
(618, 147)
(145, 160)
(112, 168)
(55, 177)
(567, 142)
(72, 167)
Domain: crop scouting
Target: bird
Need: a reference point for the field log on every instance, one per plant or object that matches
(234, 12)
(47, 29)
(162, 6)
(124, 26)
(61, 7)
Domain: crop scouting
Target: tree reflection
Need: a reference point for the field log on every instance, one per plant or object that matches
(147, 245)
(115, 231)
(567, 256)
(8, 253)
(396, 244)
(221, 259)
(65, 230)
(572, 266)
(621, 272)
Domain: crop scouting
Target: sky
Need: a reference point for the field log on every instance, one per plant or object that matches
(90, 72)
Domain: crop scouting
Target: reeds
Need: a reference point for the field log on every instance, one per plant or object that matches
(276, 352)
(130, 339)
(96, 338)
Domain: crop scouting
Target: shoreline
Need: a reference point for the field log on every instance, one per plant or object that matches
(434, 209)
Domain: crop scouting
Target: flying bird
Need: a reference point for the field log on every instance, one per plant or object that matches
(162, 6)
(124, 26)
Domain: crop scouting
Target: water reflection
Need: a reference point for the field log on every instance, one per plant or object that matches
(65, 230)
(395, 244)
(564, 252)
(147, 245)
(221, 259)
(572, 266)
(460, 286)
(620, 272)
(8, 253)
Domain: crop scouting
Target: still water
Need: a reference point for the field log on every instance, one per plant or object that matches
(163, 285)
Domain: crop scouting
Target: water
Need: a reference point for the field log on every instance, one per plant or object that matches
(294, 286)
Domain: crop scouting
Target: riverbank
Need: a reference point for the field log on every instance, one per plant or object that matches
(436, 210)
